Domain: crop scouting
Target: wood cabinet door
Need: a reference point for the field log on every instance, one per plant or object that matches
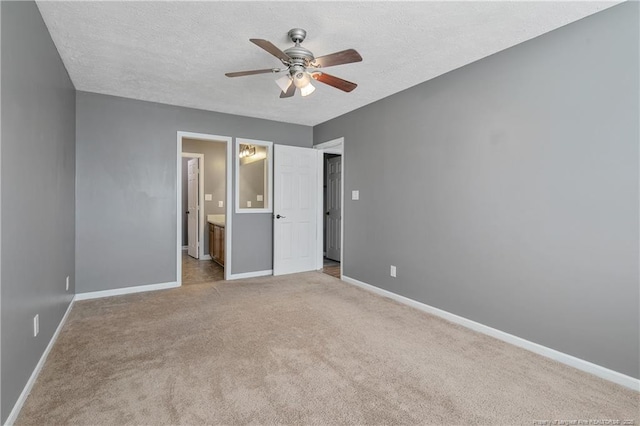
(222, 238)
(217, 244)
(211, 243)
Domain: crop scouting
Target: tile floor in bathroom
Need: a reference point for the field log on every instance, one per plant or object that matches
(195, 271)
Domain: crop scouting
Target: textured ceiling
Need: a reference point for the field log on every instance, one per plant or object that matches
(177, 52)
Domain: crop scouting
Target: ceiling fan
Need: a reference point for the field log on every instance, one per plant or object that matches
(301, 66)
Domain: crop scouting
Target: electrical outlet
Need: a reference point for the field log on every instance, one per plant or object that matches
(36, 325)
(259, 198)
(355, 194)
(220, 203)
(248, 203)
(67, 284)
(392, 271)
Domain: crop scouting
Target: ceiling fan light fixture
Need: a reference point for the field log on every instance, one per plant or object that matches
(301, 79)
(307, 90)
(284, 82)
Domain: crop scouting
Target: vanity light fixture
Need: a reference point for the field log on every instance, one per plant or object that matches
(247, 151)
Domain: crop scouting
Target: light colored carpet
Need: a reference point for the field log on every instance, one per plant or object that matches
(300, 349)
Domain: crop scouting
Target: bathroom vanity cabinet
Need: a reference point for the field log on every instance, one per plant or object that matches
(216, 242)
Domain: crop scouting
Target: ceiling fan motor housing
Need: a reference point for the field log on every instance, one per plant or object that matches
(298, 54)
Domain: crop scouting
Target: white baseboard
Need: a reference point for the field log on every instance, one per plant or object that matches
(125, 290)
(206, 257)
(251, 274)
(570, 360)
(13, 416)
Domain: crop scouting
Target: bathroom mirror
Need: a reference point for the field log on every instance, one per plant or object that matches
(254, 162)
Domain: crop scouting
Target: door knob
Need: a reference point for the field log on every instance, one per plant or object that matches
(186, 212)
(279, 217)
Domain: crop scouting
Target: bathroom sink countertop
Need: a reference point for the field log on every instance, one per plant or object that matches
(216, 219)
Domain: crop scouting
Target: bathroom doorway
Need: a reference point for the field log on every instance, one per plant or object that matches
(204, 199)
(192, 186)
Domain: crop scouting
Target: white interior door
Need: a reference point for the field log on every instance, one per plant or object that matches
(333, 213)
(192, 211)
(295, 186)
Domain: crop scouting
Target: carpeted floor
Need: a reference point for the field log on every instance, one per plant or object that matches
(299, 349)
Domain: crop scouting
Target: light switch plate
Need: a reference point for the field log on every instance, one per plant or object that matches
(355, 194)
(392, 271)
(220, 203)
(260, 198)
(248, 203)
(208, 197)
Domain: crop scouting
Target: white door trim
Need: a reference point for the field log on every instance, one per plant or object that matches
(201, 254)
(228, 199)
(334, 146)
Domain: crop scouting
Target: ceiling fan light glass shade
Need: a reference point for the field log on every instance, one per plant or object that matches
(284, 82)
(301, 79)
(307, 90)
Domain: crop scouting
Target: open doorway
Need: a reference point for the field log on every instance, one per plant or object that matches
(204, 237)
(331, 224)
(332, 195)
(192, 186)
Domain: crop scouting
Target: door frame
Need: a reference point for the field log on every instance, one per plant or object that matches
(228, 199)
(201, 254)
(334, 146)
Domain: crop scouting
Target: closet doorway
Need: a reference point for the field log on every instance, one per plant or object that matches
(331, 224)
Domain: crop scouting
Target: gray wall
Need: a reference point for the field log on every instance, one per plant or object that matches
(126, 189)
(507, 191)
(38, 167)
(215, 165)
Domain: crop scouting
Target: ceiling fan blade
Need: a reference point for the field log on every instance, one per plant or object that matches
(269, 47)
(252, 72)
(344, 57)
(290, 92)
(336, 82)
